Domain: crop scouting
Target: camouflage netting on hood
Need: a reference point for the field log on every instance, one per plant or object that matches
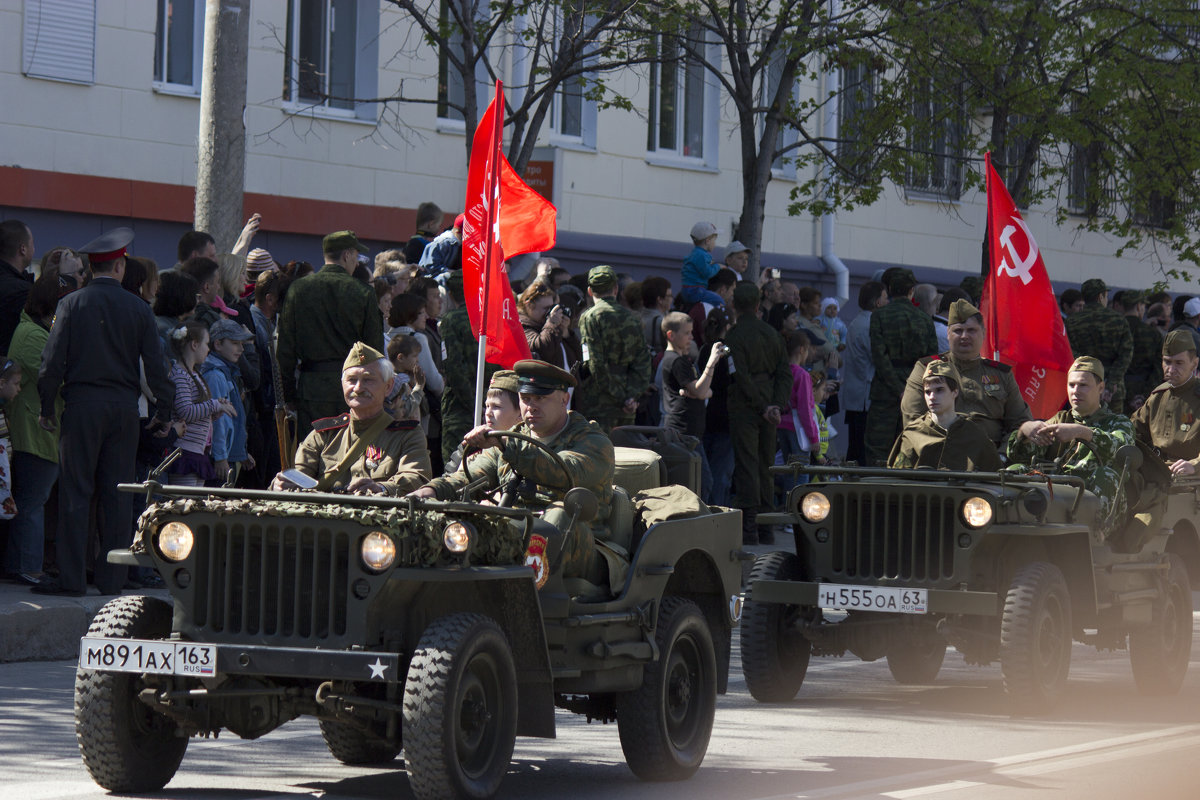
(418, 533)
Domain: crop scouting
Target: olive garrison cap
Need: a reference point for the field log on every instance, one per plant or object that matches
(942, 369)
(602, 278)
(342, 240)
(1088, 364)
(540, 377)
(1093, 287)
(361, 355)
(1178, 341)
(108, 246)
(505, 379)
(960, 312)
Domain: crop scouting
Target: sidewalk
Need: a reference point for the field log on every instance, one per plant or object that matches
(35, 627)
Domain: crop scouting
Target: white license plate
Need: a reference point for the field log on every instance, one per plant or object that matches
(895, 599)
(148, 656)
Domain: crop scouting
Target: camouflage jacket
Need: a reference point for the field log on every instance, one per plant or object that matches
(1145, 364)
(988, 391)
(900, 334)
(397, 458)
(584, 448)
(760, 375)
(616, 357)
(460, 350)
(1100, 332)
(1170, 421)
(962, 447)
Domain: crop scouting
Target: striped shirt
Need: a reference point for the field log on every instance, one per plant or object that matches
(194, 406)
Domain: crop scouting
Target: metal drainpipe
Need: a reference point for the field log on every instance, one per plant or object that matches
(828, 254)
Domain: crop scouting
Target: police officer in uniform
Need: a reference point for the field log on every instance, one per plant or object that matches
(987, 389)
(364, 451)
(616, 358)
(323, 315)
(100, 335)
(582, 446)
(1170, 419)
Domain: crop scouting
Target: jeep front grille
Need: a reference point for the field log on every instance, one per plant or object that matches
(271, 580)
(890, 534)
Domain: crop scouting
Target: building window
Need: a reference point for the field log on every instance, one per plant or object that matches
(678, 99)
(332, 54)
(856, 100)
(179, 43)
(935, 141)
(59, 40)
(452, 93)
(568, 108)
(783, 166)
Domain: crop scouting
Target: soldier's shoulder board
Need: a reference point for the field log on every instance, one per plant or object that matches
(329, 423)
(997, 365)
(403, 425)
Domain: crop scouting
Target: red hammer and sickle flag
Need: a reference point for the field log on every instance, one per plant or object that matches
(1024, 326)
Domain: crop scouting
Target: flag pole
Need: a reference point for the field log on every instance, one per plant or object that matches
(987, 230)
(489, 242)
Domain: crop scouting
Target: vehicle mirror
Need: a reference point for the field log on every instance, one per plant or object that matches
(581, 504)
(1129, 457)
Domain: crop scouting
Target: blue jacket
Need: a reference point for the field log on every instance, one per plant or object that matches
(698, 267)
(229, 433)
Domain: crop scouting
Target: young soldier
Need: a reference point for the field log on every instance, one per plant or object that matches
(943, 438)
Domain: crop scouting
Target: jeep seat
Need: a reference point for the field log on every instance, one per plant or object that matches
(621, 517)
(638, 469)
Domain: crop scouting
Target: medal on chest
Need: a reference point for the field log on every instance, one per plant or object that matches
(1189, 419)
(374, 456)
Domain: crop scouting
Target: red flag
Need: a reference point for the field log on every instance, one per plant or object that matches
(504, 218)
(1024, 326)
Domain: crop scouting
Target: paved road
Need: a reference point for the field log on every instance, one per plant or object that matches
(852, 733)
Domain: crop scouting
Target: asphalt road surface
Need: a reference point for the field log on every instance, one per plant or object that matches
(851, 733)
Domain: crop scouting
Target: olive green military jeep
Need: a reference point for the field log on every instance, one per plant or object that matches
(408, 624)
(897, 564)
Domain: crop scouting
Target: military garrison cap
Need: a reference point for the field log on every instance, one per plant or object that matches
(1093, 288)
(1178, 341)
(108, 246)
(602, 278)
(960, 312)
(361, 355)
(1088, 364)
(540, 377)
(939, 368)
(342, 240)
(505, 379)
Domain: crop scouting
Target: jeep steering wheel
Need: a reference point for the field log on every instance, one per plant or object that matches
(1060, 462)
(524, 437)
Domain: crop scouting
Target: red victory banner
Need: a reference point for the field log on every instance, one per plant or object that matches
(1024, 326)
(504, 218)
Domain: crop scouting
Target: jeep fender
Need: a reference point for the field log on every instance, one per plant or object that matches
(1066, 546)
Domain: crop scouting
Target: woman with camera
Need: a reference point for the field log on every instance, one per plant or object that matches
(547, 325)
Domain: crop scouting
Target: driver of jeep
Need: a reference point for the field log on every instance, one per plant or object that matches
(1169, 421)
(584, 448)
(1087, 421)
(364, 451)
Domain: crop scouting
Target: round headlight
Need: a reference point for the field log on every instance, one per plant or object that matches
(977, 512)
(456, 537)
(814, 507)
(378, 551)
(175, 541)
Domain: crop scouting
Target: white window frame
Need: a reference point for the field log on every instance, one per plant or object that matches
(788, 135)
(710, 119)
(366, 62)
(483, 87)
(162, 54)
(951, 160)
(849, 107)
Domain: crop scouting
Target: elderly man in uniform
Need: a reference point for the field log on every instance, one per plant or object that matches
(1170, 419)
(364, 451)
(944, 438)
(583, 447)
(103, 338)
(987, 389)
(323, 315)
(1086, 420)
(614, 352)
(1101, 332)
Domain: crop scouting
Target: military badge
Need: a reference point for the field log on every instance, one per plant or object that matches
(535, 557)
(374, 456)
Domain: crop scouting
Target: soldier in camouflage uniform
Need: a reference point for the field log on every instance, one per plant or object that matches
(900, 334)
(1170, 420)
(1089, 420)
(582, 445)
(616, 359)
(943, 438)
(987, 389)
(460, 349)
(364, 451)
(760, 382)
(323, 315)
(1100, 332)
(1145, 366)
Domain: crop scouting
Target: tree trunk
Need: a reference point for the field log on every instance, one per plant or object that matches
(221, 157)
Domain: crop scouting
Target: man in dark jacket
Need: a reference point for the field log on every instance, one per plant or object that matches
(16, 254)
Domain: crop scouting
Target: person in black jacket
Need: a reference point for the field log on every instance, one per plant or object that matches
(16, 254)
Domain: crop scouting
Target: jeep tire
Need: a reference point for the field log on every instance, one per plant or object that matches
(353, 745)
(775, 653)
(1159, 653)
(916, 662)
(126, 746)
(460, 709)
(1035, 637)
(665, 725)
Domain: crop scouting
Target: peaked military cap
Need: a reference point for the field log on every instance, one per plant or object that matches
(960, 312)
(505, 379)
(1088, 364)
(1178, 341)
(361, 355)
(108, 246)
(602, 278)
(540, 377)
(342, 240)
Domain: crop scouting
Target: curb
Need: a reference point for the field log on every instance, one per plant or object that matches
(37, 628)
